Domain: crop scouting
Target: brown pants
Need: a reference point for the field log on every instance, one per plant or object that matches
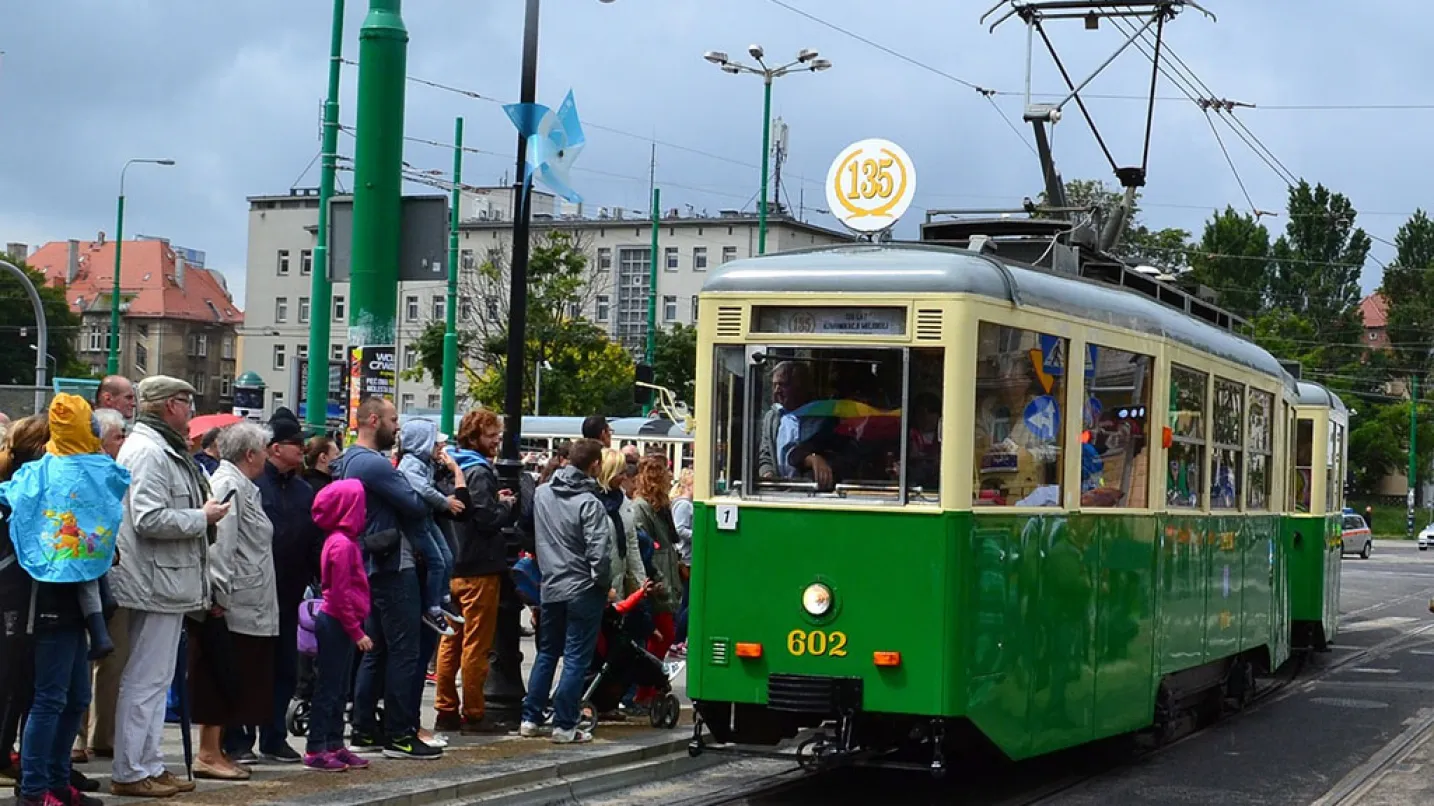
(477, 597)
(107, 679)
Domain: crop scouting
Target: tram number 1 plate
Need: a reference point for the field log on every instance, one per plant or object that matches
(727, 517)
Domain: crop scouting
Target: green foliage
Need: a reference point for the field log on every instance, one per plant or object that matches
(1408, 289)
(675, 361)
(430, 353)
(17, 364)
(1380, 438)
(1232, 258)
(588, 376)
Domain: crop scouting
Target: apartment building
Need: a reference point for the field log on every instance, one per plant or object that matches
(283, 231)
(177, 318)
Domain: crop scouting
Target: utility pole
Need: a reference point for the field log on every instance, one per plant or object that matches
(378, 164)
(1413, 463)
(42, 327)
(766, 158)
(450, 329)
(114, 340)
(321, 287)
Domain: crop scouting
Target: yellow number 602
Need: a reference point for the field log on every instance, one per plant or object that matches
(816, 642)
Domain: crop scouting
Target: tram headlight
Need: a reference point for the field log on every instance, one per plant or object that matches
(817, 599)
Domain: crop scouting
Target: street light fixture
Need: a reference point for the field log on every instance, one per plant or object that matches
(807, 59)
(119, 249)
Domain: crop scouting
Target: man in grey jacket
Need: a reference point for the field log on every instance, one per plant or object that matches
(162, 573)
(572, 534)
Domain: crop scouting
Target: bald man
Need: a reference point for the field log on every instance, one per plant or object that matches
(116, 392)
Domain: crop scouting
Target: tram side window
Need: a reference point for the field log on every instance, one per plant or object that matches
(1334, 469)
(1261, 445)
(1187, 447)
(1229, 442)
(829, 422)
(1303, 480)
(1020, 385)
(1115, 455)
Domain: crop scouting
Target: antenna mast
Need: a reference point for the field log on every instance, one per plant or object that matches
(779, 153)
(1155, 13)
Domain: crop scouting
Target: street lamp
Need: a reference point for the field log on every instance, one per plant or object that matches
(808, 60)
(119, 248)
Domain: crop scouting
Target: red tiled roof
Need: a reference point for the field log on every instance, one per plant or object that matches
(1374, 310)
(148, 281)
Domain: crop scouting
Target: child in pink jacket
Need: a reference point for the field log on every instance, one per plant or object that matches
(339, 510)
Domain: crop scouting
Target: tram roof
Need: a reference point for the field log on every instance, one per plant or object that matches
(1312, 394)
(622, 427)
(928, 269)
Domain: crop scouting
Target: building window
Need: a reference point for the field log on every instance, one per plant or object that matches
(303, 310)
(466, 259)
(410, 356)
(278, 399)
(141, 359)
(279, 359)
(669, 309)
(699, 258)
(226, 386)
(198, 381)
(143, 331)
(228, 348)
(671, 253)
(435, 401)
(338, 309)
(440, 307)
(492, 308)
(281, 309)
(603, 305)
(203, 345)
(283, 263)
(694, 309)
(301, 351)
(605, 258)
(729, 253)
(405, 402)
(306, 262)
(465, 309)
(410, 305)
(336, 352)
(193, 345)
(575, 311)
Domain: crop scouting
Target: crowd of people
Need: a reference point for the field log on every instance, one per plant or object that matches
(135, 561)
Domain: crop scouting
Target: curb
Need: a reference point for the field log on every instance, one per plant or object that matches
(469, 784)
(575, 789)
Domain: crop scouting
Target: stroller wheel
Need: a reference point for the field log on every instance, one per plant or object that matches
(666, 711)
(587, 716)
(297, 717)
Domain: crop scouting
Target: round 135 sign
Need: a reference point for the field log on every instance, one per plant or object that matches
(870, 185)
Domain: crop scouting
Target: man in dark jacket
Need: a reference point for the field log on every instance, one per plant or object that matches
(395, 616)
(479, 563)
(288, 501)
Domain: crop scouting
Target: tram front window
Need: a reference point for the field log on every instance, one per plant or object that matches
(828, 422)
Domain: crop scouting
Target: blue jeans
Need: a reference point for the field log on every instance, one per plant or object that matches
(681, 618)
(438, 562)
(62, 693)
(427, 648)
(239, 739)
(393, 624)
(567, 629)
(331, 685)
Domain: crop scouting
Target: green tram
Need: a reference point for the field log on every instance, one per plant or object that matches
(902, 536)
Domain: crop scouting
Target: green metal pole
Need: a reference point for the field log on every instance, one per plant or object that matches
(651, 351)
(321, 288)
(766, 146)
(450, 328)
(378, 179)
(115, 292)
(1413, 433)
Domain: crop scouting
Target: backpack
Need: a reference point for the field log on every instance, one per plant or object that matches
(528, 580)
(308, 616)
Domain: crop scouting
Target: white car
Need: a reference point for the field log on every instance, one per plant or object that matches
(1357, 538)
(1426, 537)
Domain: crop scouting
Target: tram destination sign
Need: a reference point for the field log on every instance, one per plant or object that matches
(870, 185)
(831, 321)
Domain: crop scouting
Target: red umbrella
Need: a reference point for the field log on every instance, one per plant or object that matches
(199, 426)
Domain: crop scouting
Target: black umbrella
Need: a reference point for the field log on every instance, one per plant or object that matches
(181, 676)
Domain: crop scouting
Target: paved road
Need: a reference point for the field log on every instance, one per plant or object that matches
(1316, 741)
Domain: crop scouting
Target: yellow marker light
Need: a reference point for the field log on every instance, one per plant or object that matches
(749, 650)
(886, 659)
(817, 599)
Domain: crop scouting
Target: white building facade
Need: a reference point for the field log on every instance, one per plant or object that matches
(282, 235)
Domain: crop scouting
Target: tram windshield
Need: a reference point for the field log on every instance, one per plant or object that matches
(861, 423)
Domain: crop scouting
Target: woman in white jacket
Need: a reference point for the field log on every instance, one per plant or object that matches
(628, 575)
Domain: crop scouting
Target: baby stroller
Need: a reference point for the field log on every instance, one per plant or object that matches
(297, 717)
(619, 663)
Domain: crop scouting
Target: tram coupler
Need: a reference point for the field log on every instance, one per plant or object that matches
(938, 749)
(696, 746)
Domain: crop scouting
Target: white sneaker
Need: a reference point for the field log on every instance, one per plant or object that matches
(571, 736)
(531, 730)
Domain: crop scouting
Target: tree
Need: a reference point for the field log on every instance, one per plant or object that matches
(1409, 294)
(675, 361)
(590, 374)
(17, 315)
(1232, 258)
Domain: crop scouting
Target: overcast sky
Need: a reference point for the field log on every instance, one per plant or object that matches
(232, 91)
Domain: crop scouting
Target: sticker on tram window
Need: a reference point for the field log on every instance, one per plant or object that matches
(817, 642)
(726, 517)
(1043, 418)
